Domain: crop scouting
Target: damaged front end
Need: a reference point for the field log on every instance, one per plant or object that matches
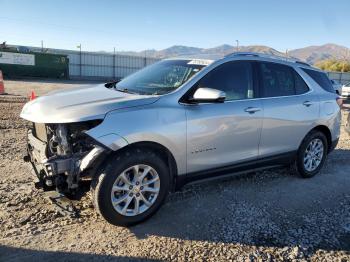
(63, 156)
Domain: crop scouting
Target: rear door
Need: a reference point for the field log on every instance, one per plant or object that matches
(290, 109)
(222, 134)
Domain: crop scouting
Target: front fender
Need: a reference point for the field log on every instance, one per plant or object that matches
(163, 125)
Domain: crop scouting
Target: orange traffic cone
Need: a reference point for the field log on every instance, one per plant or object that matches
(2, 86)
(32, 96)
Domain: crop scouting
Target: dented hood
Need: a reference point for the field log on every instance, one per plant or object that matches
(80, 104)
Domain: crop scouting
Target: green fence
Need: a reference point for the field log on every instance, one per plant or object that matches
(16, 64)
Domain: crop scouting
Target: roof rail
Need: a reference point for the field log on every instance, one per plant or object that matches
(243, 54)
(288, 59)
(302, 63)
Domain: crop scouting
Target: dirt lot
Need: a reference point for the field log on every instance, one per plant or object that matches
(271, 215)
(40, 87)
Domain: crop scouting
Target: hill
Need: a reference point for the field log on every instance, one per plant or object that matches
(310, 54)
(314, 54)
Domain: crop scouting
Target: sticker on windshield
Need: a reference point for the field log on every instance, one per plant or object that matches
(204, 62)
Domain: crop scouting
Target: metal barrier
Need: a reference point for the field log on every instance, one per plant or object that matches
(341, 77)
(99, 66)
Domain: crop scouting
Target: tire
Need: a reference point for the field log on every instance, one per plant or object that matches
(302, 167)
(111, 177)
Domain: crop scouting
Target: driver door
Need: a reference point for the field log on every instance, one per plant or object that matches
(223, 134)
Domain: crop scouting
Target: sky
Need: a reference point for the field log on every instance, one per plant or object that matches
(138, 25)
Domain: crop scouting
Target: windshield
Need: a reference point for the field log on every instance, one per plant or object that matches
(160, 78)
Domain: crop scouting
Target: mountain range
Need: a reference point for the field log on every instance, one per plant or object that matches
(310, 54)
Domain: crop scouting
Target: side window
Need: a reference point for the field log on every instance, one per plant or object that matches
(276, 80)
(234, 78)
(300, 85)
(321, 79)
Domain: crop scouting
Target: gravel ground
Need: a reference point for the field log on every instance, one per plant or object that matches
(40, 87)
(270, 215)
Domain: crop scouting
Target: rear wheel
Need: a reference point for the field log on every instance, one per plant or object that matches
(132, 187)
(311, 155)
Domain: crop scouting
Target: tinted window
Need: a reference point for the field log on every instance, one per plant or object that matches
(300, 85)
(234, 78)
(276, 80)
(321, 79)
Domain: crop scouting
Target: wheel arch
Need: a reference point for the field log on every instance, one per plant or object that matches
(326, 131)
(159, 149)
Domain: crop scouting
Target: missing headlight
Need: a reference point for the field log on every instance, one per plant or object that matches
(68, 139)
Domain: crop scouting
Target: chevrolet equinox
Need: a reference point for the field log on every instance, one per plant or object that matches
(177, 121)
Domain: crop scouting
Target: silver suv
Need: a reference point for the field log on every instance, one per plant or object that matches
(180, 120)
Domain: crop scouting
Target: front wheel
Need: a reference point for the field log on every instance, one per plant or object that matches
(132, 187)
(311, 155)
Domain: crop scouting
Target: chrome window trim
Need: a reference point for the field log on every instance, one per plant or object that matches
(248, 99)
(311, 90)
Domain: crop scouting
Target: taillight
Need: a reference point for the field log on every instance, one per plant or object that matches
(339, 101)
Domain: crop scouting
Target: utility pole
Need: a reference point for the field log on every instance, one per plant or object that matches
(114, 63)
(287, 54)
(42, 46)
(237, 45)
(145, 57)
(80, 65)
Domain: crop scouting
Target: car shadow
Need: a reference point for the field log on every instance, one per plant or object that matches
(272, 208)
(22, 254)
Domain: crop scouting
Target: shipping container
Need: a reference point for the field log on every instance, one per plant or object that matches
(32, 64)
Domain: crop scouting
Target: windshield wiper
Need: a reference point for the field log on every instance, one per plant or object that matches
(124, 90)
(112, 84)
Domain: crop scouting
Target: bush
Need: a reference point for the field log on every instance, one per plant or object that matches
(334, 65)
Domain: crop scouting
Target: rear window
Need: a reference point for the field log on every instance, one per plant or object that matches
(277, 80)
(280, 80)
(321, 79)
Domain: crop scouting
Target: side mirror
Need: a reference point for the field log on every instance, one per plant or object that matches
(208, 95)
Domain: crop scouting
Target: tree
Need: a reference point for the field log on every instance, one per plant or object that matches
(334, 65)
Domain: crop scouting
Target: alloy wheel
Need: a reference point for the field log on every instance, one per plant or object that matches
(313, 155)
(135, 190)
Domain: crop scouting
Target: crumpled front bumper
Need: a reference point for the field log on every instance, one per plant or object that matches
(36, 156)
(43, 168)
(49, 169)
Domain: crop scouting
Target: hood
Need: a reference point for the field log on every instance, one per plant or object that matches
(80, 104)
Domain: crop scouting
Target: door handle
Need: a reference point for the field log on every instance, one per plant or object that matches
(307, 103)
(252, 110)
